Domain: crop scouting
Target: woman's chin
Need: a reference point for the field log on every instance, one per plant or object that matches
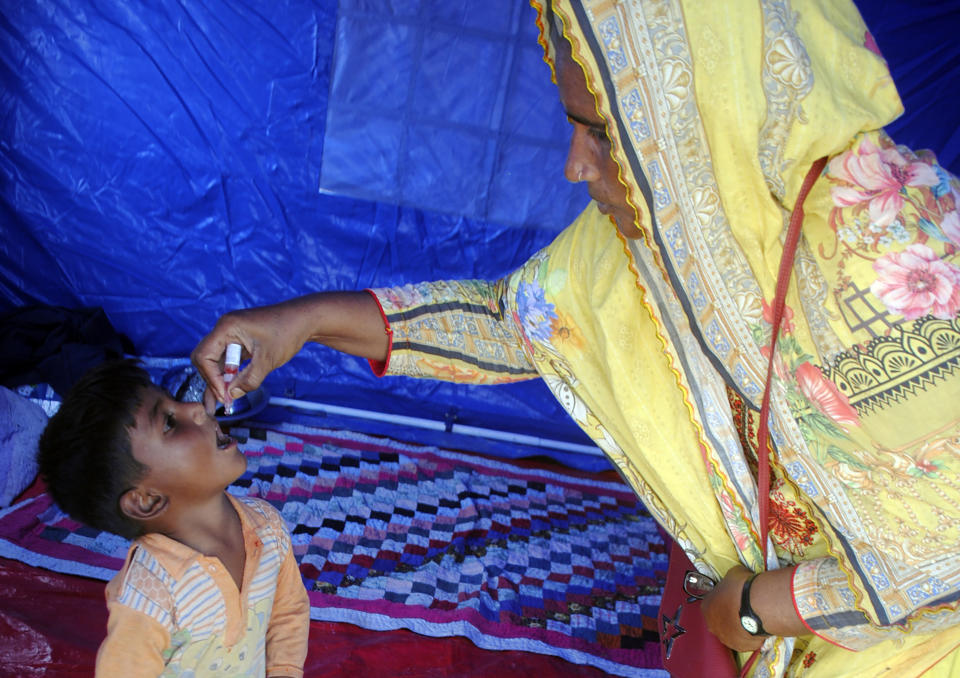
(624, 223)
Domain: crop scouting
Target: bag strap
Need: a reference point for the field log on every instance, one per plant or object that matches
(779, 302)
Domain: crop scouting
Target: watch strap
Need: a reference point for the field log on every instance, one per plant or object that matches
(746, 611)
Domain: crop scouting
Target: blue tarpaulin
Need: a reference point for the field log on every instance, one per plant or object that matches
(169, 162)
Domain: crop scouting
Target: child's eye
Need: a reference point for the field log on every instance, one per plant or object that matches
(169, 422)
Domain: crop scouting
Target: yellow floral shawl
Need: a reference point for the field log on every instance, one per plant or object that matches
(715, 113)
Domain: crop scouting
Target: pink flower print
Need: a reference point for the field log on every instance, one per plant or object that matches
(916, 282)
(877, 176)
(926, 467)
(825, 396)
(786, 321)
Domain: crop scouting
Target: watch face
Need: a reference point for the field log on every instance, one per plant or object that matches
(750, 624)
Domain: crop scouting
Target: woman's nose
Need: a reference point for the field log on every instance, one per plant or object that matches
(581, 162)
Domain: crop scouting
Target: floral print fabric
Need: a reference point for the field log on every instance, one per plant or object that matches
(909, 208)
(657, 346)
(545, 328)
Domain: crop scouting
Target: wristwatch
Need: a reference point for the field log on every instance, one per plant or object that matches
(748, 618)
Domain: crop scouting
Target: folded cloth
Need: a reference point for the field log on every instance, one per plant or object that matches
(21, 423)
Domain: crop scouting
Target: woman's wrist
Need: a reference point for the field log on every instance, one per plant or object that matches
(771, 597)
(771, 600)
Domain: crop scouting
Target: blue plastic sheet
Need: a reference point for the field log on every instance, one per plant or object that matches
(920, 39)
(447, 110)
(163, 161)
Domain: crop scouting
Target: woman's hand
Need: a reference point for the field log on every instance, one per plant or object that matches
(721, 611)
(272, 335)
(771, 599)
(269, 338)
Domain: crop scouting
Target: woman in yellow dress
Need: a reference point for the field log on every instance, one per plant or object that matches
(649, 318)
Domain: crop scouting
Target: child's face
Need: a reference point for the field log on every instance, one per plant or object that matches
(187, 454)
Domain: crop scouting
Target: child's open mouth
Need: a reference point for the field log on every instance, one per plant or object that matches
(223, 440)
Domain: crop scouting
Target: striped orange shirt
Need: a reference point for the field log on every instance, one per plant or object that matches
(174, 611)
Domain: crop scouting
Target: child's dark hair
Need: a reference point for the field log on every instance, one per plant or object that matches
(84, 453)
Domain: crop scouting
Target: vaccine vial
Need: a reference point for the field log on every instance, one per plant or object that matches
(231, 366)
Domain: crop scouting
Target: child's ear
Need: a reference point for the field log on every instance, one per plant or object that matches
(141, 504)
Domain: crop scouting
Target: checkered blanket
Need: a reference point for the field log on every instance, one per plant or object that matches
(390, 536)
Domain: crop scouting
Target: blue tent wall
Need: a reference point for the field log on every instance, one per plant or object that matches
(162, 161)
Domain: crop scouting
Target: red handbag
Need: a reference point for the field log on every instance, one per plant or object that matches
(687, 648)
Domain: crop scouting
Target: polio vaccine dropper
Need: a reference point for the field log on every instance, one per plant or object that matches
(231, 366)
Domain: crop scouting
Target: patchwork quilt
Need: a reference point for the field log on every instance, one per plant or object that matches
(390, 535)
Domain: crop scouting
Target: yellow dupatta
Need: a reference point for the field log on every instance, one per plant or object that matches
(712, 169)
